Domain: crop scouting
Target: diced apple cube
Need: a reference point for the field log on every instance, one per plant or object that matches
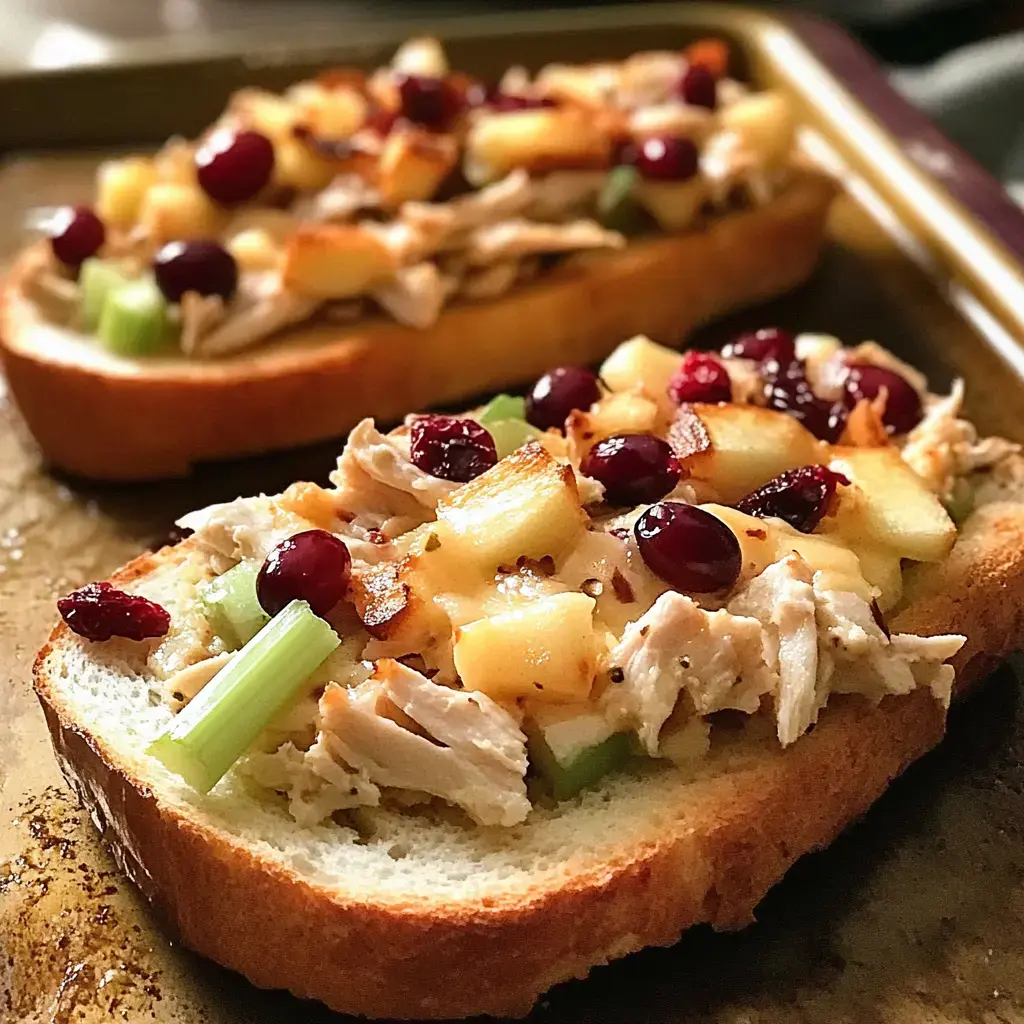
(538, 140)
(121, 187)
(335, 261)
(757, 540)
(297, 166)
(894, 509)
(882, 569)
(527, 504)
(254, 249)
(413, 164)
(643, 362)
(545, 650)
(737, 448)
(266, 112)
(423, 55)
(622, 412)
(171, 212)
(330, 113)
(764, 121)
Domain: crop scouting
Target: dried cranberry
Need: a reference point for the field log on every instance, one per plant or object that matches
(451, 448)
(314, 567)
(633, 468)
(767, 343)
(200, 265)
(76, 233)
(697, 87)
(98, 611)
(801, 496)
(664, 158)
(690, 549)
(787, 389)
(382, 121)
(559, 392)
(233, 167)
(701, 377)
(429, 101)
(903, 409)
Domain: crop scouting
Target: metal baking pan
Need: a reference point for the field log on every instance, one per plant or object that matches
(916, 914)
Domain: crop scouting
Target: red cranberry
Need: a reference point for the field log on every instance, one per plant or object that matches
(382, 121)
(314, 566)
(451, 448)
(76, 234)
(233, 167)
(558, 393)
(634, 468)
(690, 549)
(98, 611)
(201, 265)
(767, 343)
(664, 158)
(698, 87)
(902, 404)
(429, 101)
(701, 377)
(799, 496)
(787, 389)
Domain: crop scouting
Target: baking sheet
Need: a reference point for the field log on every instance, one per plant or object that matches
(915, 915)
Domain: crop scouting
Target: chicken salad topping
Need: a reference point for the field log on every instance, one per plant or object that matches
(519, 633)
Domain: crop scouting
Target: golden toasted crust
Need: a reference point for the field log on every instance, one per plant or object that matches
(426, 960)
(145, 420)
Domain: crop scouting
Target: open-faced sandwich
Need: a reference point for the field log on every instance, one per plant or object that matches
(528, 689)
(365, 244)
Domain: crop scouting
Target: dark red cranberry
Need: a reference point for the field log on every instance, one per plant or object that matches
(634, 468)
(787, 389)
(232, 167)
(76, 234)
(701, 377)
(451, 448)
(690, 549)
(314, 567)
(201, 265)
(902, 403)
(382, 121)
(99, 611)
(767, 343)
(697, 86)
(429, 101)
(799, 496)
(664, 158)
(558, 393)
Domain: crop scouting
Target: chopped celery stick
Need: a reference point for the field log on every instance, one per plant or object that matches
(256, 685)
(134, 320)
(618, 208)
(231, 606)
(98, 278)
(583, 768)
(510, 434)
(503, 407)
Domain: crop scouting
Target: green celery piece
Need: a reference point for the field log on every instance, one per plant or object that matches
(261, 680)
(98, 278)
(134, 320)
(587, 767)
(617, 206)
(511, 434)
(960, 503)
(231, 606)
(503, 407)
(504, 416)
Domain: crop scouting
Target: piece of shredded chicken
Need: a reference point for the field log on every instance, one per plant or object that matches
(467, 749)
(515, 238)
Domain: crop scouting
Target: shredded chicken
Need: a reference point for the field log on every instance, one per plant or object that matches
(563, 194)
(649, 78)
(505, 198)
(716, 657)
(727, 161)
(58, 297)
(187, 682)
(261, 307)
(671, 118)
(473, 757)
(346, 197)
(943, 446)
(514, 238)
(490, 282)
(415, 295)
(375, 476)
(200, 316)
(782, 597)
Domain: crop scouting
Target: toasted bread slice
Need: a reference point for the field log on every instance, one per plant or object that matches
(125, 419)
(426, 917)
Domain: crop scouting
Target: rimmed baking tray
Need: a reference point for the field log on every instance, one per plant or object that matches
(914, 915)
